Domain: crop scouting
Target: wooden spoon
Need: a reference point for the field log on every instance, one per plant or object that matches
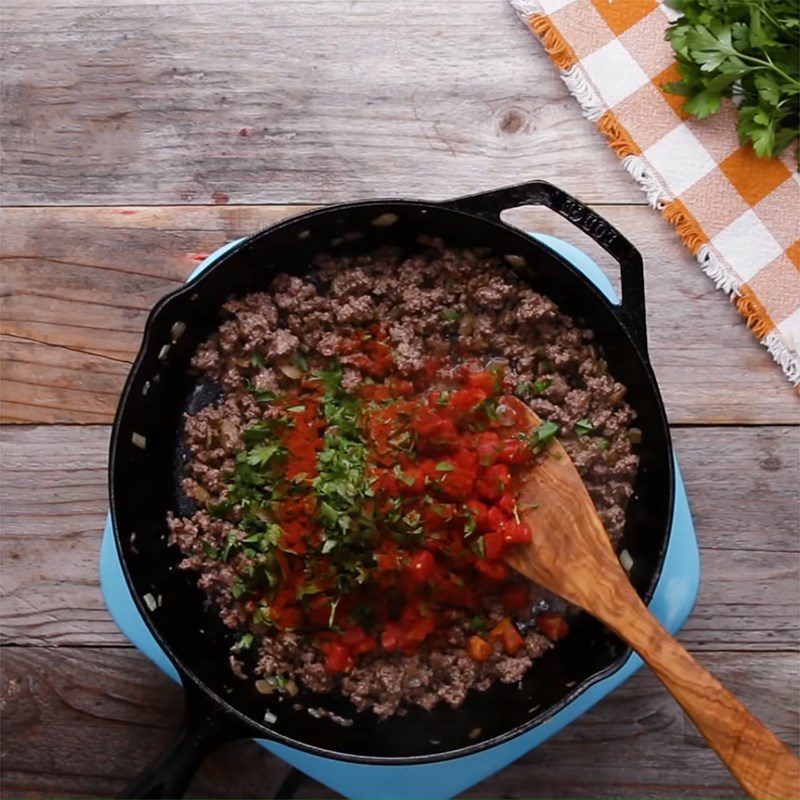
(572, 556)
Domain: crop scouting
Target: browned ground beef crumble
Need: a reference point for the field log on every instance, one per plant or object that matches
(500, 318)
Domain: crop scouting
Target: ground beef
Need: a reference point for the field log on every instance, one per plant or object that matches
(435, 301)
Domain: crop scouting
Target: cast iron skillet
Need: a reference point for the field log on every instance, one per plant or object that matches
(144, 484)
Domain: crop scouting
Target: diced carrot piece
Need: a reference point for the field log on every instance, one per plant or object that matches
(479, 649)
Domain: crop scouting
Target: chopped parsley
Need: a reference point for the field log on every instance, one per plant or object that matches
(583, 427)
(450, 315)
(542, 385)
(540, 438)
(342, 485)
(245, 643)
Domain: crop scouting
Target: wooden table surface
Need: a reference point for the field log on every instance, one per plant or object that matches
(139, 136)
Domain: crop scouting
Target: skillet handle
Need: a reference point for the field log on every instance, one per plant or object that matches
(205, 727)
(631, 311)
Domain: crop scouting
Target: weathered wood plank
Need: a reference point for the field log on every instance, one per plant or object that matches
(80, 281)
(82, 721)
(54, 502)
(290, 101)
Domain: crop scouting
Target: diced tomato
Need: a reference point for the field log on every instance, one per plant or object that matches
(513, 451)
(458, 484)
(382, 393)
(486, 381)
(515, 532)
(366, 645)
(318, 611)
(493, 482)
(426, 423)
(358, 641)
(451, 594)
(516, 597)
(508, 635)
(404, 388)
(446, 436)
(391, 637)
(497, 571)
(478, 511)
(479, 649)
(494, 545)
(434, 433)
(495, 517)
(421, 566)
(290, 618)
(553, 626)
(413, 481)
(423, 627)
(488, 448)
(352, 636)
(465, 400)
(386, 562)
(337, 657)
(508, 503)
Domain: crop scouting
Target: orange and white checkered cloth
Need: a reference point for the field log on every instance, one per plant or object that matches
(738, 214)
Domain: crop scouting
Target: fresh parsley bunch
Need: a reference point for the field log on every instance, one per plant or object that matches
(745, 49)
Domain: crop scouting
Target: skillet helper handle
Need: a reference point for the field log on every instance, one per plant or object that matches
(760, 762)
(204, 728)
(540, 193)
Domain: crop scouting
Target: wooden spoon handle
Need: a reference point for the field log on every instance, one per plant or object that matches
(762, 764)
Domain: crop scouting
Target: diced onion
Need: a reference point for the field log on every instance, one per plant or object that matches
(626, 560)
(515, 260)
(264, 687)
(506, 415)
(269, 717)
(466, 324)
(139, 441)
(291, 370)
(164, 352)
(385, 220)
(177, 330)
(150, 602)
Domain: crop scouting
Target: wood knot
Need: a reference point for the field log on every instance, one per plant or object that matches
(511, 120)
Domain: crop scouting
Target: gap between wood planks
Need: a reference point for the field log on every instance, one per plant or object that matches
(110, 265)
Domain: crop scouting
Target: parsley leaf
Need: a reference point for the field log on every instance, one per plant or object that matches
(245, 643)
(584, 427)
(747, 50)
(477, 623)
(539, 439)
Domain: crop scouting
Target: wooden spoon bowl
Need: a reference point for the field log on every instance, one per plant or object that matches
(571, 555)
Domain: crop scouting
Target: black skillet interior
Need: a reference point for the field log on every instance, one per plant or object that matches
(145, 480)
